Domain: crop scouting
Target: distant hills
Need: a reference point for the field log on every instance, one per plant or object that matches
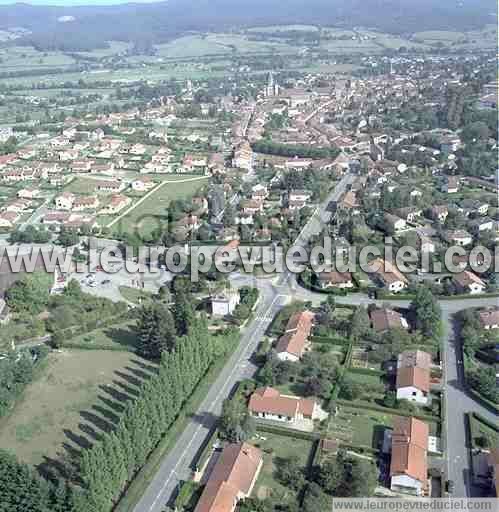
(89, 27)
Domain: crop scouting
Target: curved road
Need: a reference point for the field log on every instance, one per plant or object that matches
(274, 294)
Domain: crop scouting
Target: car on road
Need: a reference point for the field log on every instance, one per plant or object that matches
(449, 486)
(106, 281)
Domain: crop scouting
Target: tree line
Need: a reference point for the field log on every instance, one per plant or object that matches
(269, 147)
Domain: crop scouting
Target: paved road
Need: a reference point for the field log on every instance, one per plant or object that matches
(177, 464)
(274, 294)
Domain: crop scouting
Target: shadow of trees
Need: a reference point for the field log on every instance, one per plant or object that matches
(100, 419)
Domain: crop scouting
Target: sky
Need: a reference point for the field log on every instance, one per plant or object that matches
(68, 3)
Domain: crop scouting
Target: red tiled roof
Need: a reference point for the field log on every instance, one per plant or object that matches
(234, 474)
(418, 378)
(409, 448)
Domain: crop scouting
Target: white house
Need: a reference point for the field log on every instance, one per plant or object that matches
(458, 237)
(142, 184)
(468, 282)
(294, 342)
(335, 279)
(225, 303)
(64, 201)
(489, 318)
(413, 376)
(388, 275)
(395, 224)
(268, 404)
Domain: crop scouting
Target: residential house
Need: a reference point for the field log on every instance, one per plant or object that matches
(243, 156)
(388, 275)
(480, 225)
(349, 203)
(80, 166)
(409, 466)
(413, 376)
(394, 224)
(335, 279)
(259, 193)
(28, 193)
(8, 219)
(82, 203)
(489, 318)
(458, 237)
(299, 195)
(409, 214)
(450, 185)
(216, 163)
(268, 404)
(108, 186)
(473, 207)
(64, 201)
(116, 204)
(439, 213)
(250, 206)
(384, 319)
(224, 303)
(426, 244)
(68, 155)
(295, 341)
(468, 282)
(232, 479)
(142, 184)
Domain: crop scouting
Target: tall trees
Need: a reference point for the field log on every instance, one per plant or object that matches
(31, 293)
(183, 311)
(348, 476)
(236, 424)
(360, 325)
(156, 330)
(110, 463)
(427, 311)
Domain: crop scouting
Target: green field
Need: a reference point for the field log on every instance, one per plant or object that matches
(117, 336)
(284, 28)
(78, 396)
(359, 428)
(151, 213)
(277, 447)
(24, 57)
(81, 185)
(135, 295)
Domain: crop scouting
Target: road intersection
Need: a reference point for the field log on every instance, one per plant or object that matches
(274, 294)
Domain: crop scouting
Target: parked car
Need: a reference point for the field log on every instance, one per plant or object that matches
(449, 486)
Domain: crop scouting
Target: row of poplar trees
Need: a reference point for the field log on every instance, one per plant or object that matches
(111, 463)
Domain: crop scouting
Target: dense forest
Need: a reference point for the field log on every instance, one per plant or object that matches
(145, 24)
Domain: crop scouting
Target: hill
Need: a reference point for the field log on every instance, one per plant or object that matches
(89, 27)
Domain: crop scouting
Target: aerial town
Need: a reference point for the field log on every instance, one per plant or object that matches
(253, 390)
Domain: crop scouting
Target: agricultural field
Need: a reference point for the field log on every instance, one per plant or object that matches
(115, 47)
(78, 397)
(284, 28)
(191, 46)
(477, 39)
(17, 58)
